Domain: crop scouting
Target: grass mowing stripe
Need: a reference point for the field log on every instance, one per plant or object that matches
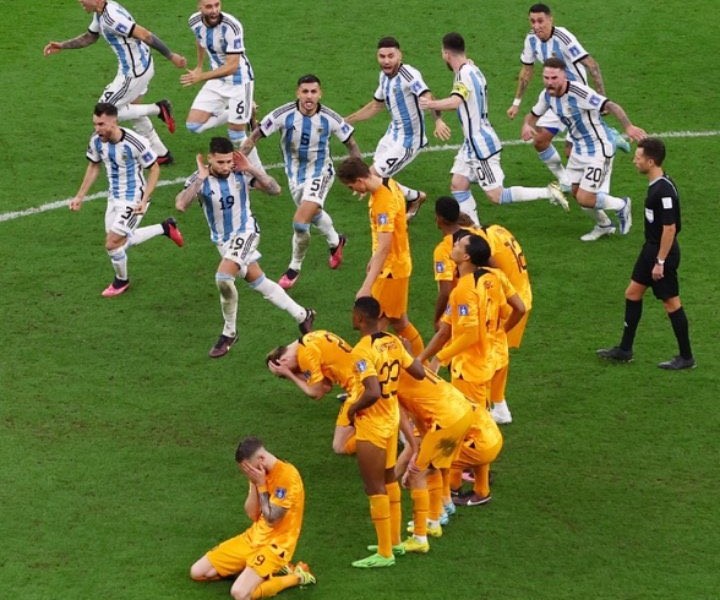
(9, 216)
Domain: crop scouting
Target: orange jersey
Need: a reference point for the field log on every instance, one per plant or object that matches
(381, 355)
(322, 354)
(510, 259)
(469, 310)
(387, 215)
(444, 267)
(497, 301)
(433, 402)
(286, 489)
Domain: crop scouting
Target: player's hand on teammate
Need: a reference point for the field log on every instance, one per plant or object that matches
(178, 60)
(52, 48)
(635, 133)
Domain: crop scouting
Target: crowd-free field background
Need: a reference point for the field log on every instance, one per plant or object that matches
(117, 431)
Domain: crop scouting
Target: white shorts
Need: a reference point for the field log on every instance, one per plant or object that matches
(591, 174)
(216, 96)
(488, 174)
(551, 121)
(391, 156)
(120, 218)
(242, 250)
(125, 89)
(314, 189)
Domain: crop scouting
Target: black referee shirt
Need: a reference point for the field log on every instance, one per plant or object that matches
(662, 207)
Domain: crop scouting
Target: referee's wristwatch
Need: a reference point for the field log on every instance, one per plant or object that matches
(660, 261)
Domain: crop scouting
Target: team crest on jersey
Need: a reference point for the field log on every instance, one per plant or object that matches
(416, 87)
(147, 157)
(345, 128)
(306, 375)
(361, 366)
(382, 219)
(439, 267)
(280, 493)
(238, 44)
(463, 310)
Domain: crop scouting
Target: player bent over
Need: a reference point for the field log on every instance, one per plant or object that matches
(126, 155)
(314, 363)
(223, 190)
(275, 504)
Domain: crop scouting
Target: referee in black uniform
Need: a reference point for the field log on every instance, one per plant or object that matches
(659, 259)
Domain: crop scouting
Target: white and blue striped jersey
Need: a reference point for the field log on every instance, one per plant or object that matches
(226, 205)
(481, 141)
(561, 44)
(125, 162)
(305, 141)
(116, 25)
(579, 109)
(224, 38)
(400, 95)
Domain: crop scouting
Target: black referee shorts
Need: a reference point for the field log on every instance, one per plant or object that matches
(667, 287)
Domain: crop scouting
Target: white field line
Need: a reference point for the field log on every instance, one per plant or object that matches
(9, 216)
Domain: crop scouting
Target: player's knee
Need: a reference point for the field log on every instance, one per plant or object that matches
(226, 284)
(339, 447)
(301, 227)
(193, 127)
(240, 594)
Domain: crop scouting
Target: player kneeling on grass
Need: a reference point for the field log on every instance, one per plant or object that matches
(314, 363)
(223, 189)
(260, 556)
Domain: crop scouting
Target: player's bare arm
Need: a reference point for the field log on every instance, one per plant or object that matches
(156, 43)
(368, 111)
(252, 503)
(370, 396)
(634, 133)
(441, 337)
(593, 68)
(262, 181)
(91, 174)
(376, 263)
(524, 79)
(232, 62)
(81, 41)
(186, 196)
(449, 103)
(250, 141)
(519, 309)
(442, 131)
(528, 128)
(152, 179)
(353, 148)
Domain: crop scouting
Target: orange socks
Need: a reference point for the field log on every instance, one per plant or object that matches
(380, 514)
(395, 497)
(413, 336)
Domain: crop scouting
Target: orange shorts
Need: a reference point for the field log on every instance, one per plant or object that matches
(366, 430)
(233, 555)
(439, 447)
(498, 384)
(515, 335)
(342, 418)
(392, 294)
(477, 392)
(474, 452)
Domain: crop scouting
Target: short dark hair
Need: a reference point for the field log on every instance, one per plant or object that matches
(447, 208)
(368, 306)
(454, 42)
(478, 250)
(105, 108)
(221, 145)
(653, 148)
(309, 78)
(352, 169)
(247, 448)
(388, 42)
(540, 8)
(555, 63)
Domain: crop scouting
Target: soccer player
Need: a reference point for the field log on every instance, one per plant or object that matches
(478, 159)
(314, 363)
(227, 92)
(399, 90)
(305, 127)
(129, 40)
(275, 504)
(223, 189)
(388, 272)
(379, 357)
(590, 162)
(658, 262)
(126, 156)
(472, 318)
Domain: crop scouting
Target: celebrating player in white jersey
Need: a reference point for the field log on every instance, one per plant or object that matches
(227, 92)
(125, 154)
(478, 159)
(399, 90)
(579, 107)
(223, 190)
(130, 42)
(305, 127)
(546, 40)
